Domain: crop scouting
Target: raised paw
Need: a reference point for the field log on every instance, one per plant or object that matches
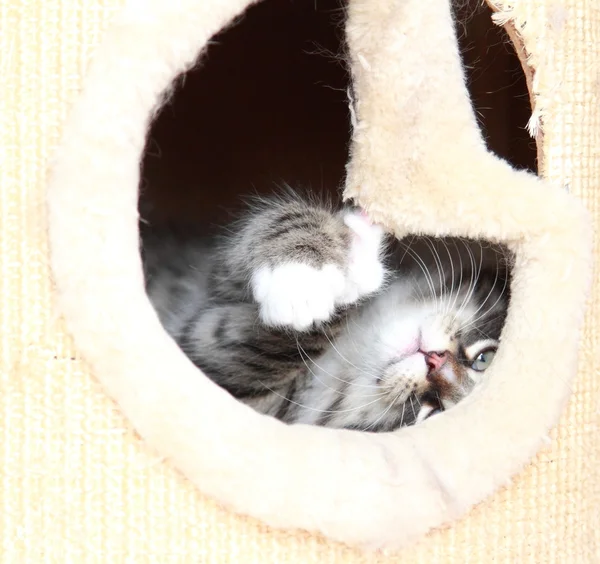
(365, 272)
(298, 295)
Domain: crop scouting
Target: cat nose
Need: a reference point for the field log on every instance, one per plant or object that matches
(435, 360)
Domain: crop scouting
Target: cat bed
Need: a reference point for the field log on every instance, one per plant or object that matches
(418, 165)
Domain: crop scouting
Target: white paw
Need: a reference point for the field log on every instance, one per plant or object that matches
(365, 272)
(297, 295)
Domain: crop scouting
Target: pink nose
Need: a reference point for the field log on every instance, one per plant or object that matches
(435, 360)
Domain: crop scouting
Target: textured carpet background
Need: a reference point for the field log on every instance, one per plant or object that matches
(76, 485)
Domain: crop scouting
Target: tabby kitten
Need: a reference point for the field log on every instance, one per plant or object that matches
(306, 314)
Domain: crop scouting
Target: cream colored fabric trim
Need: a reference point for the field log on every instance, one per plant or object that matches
(78, 486)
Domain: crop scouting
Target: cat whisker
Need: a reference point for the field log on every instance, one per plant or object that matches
(386, 411)
(483, 333)
(368, 374)
(423, 266)
(489, 293)
(300, 350)
(471, 321)
(439, 266)
(403, 411)
(304, 354)
(460, 281)
(412, 405)
(315, 409)
(418, 401)
(452, 275)
(474, 277)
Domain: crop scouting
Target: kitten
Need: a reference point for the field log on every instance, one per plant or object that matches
(305, 314)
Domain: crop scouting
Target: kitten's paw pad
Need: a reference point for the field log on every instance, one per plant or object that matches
(297, 295)
(366, 272)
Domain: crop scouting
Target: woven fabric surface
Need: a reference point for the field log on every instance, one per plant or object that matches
(77, 485)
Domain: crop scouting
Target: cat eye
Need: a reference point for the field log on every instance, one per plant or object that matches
(483, 360)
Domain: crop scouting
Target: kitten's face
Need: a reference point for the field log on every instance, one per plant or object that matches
(435, 339)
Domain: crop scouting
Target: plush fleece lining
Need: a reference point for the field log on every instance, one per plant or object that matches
(418, 164)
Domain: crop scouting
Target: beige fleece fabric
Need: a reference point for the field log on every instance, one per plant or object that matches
(80, 485)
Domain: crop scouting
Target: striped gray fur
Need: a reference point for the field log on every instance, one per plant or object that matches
(308, 314)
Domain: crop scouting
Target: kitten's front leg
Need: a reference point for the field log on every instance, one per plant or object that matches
(318, 267)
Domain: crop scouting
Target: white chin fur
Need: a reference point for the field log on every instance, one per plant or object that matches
(406, 377)
(424, 412)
